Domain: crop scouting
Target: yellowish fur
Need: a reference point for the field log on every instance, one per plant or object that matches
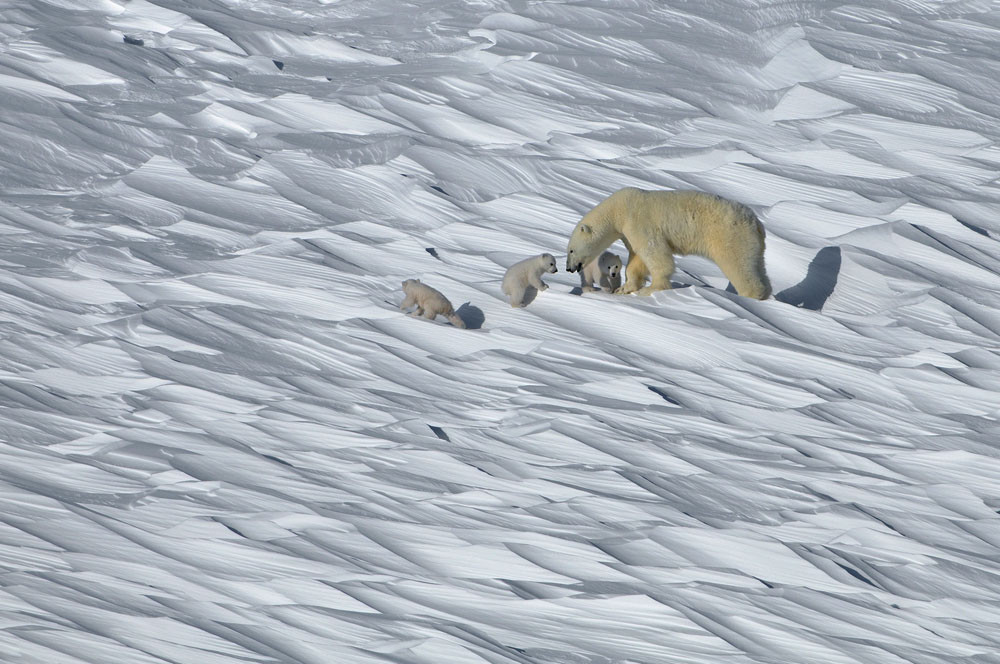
(430, 302)
(656, 225)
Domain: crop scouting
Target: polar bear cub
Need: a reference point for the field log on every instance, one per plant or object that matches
(605, 270)
(527, 274)
(430, 302)
(655, 225)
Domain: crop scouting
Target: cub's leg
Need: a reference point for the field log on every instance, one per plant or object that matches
(611, 283)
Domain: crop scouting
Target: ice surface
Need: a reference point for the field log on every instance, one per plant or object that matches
(222, 442)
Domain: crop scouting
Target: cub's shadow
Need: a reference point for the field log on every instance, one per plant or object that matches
(471, 315)
(530, 293)
(817, 286)
(578, 290)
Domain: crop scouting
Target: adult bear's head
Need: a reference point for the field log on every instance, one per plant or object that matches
(582, 248)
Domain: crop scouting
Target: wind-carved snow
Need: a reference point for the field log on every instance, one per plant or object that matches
(223, 442)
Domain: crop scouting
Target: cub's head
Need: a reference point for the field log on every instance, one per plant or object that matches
(549, 262)
(410, 282)
(610, 264)
(582, 248)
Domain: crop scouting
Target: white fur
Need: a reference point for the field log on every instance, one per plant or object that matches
(655, 225)
(526, 274)
(605, 270)
(430, 302)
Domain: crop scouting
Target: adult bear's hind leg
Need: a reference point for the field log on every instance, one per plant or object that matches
(747, 275)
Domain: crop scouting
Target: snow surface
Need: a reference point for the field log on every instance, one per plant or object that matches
(223, 443)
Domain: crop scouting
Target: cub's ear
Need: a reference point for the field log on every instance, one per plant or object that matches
(584, 228)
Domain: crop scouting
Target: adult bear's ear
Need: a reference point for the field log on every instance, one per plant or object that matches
(584, 228)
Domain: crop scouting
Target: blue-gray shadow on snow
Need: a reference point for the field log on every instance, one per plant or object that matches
(471, 315)
(674, 285)
(530, 293)
(818, 284)
(440, 433)
(663, 395)
(973, 227)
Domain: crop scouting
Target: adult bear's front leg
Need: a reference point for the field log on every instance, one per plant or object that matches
(660, 276)
(636, 274)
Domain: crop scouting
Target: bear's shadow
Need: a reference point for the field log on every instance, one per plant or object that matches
(817, 286)
(471, 315)
(674, 285)
(530, 293)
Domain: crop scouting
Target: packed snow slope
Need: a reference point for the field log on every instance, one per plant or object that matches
(223, 443)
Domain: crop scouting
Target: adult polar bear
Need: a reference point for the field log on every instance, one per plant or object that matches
(655, 225)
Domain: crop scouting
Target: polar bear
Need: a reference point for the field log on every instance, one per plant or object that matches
(605, 270)
(655, 225)
(527, 274)
(430, 302)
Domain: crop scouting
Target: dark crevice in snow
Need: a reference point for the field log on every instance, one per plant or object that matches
(663, 394)
(856, 574)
